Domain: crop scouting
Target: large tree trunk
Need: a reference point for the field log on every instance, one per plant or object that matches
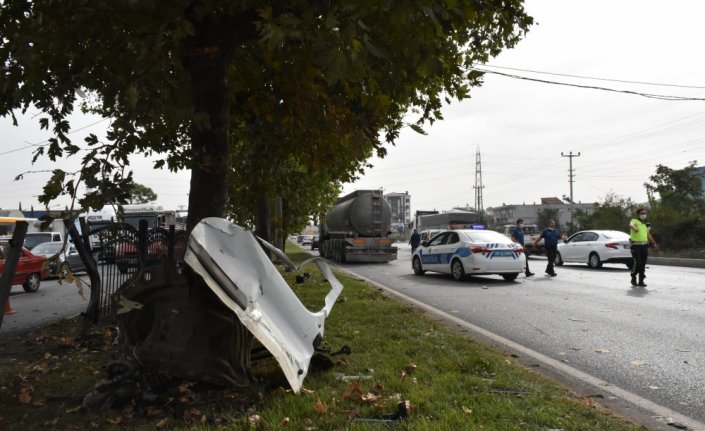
(210, 137)
(262, 218)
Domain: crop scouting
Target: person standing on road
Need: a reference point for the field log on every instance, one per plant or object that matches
(518, 236)
(415, 241)
(640, 239)
(550, 236)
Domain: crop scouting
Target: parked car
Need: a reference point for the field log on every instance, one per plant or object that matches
(68, 259)
(595, 247)
(30, 268)
(315, 242)
(126, 254)
(32, 239)
(469, 252)
(307, 240)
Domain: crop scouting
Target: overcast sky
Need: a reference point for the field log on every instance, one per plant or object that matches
(520, 127)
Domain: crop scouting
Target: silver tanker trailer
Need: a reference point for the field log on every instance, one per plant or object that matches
(357, 229)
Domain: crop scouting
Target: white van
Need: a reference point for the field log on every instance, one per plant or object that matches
(33, 238)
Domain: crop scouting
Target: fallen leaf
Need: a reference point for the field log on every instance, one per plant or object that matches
(321, 407)
(162, 423)
(467, 410)
(352, 388)
(114, 421)
(154, 411)
(254, 419)
(370, 397)
(25, 395)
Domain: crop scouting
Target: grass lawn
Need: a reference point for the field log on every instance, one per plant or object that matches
(398, 357)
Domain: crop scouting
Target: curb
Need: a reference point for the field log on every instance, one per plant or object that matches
(676, 261)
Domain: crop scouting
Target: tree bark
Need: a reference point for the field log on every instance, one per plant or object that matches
(210, 137)
(262, 219)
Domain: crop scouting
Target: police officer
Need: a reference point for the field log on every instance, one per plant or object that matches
(550, 237)
(640, 239)
(518, 236)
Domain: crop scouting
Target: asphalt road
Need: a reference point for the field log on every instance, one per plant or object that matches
(51, 302)
(647, 341)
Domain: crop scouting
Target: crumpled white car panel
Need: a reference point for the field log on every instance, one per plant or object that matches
(234, 266)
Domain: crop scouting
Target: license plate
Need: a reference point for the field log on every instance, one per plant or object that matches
(502, 253)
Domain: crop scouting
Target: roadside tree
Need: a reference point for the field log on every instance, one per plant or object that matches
(141, 194)
(613, 213)
(677, 210)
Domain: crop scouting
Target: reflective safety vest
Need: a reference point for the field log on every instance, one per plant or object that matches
(640, 237)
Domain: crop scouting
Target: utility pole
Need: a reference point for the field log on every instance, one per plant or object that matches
(478, 182)
(571, 181)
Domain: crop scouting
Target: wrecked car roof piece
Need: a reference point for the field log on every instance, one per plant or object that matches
(235, 267)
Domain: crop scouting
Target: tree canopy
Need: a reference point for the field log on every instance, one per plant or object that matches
(612, 214)
(677, 204)
(141, 194)
(307, 87)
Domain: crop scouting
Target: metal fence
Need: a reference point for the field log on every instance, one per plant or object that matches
(121, 251)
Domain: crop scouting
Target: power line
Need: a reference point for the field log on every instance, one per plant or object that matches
(46, 141)
(624, 81)
(592, 87)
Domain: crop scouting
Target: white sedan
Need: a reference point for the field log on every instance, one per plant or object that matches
(467, 251)
(595, 247)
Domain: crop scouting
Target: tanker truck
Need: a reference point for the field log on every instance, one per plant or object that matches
(356, 229)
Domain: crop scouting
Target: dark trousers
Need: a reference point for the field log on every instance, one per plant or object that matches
(526, 254)
(551, 256)
(640, 252)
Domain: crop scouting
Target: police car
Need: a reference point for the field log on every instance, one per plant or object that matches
(469, 252)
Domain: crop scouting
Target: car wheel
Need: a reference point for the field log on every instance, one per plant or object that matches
(457, 270)
(510, 277)
(594, 261)
(32, 283)
(558, 261)
(418, 268)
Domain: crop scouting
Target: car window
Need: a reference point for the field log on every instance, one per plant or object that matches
(590, 236)
(577, 237)
(439, 239)
(452, 238)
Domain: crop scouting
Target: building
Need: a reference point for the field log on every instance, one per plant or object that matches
(401, 210)
(701, 171)
(508, 214)
(7, 228)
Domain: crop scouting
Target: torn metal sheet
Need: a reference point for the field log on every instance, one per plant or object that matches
(235, 267)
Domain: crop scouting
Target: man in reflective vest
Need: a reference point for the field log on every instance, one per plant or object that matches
(640, 238)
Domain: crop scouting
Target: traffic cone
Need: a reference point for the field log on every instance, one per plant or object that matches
(8, 307)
